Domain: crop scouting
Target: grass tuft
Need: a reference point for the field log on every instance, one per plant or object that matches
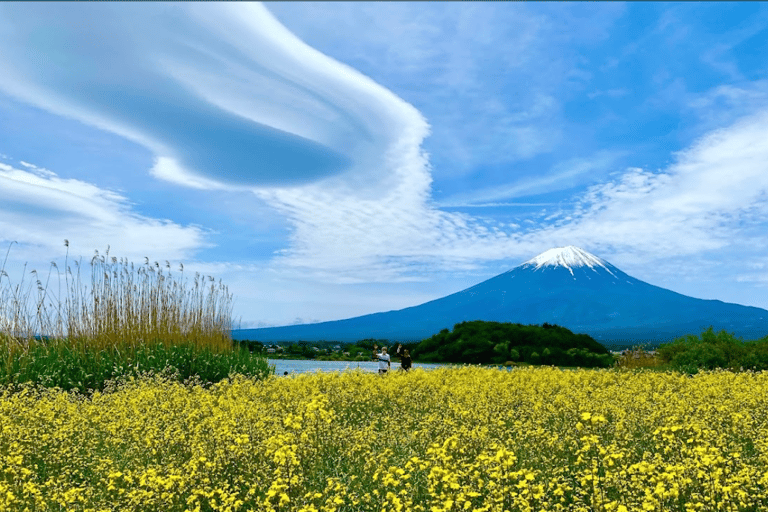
(129, 320)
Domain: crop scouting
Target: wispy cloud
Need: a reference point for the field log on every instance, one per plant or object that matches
(724, 104)
(488, 103)
(721, 56)
(609, 93)
(40, 209)
(562, 176)
(493, 205)
(714, 190)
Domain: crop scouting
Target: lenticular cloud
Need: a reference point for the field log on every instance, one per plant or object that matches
(223, 94)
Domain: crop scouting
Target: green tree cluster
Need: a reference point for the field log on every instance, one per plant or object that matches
(712, 350)
(480, 342)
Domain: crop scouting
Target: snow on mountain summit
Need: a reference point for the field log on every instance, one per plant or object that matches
(569, 257)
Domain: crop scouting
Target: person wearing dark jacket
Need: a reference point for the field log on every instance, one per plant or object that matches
(405, 360)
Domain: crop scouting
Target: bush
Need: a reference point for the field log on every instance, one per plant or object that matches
(56, 365)
(712, 350)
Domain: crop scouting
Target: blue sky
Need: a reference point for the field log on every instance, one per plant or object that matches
(327, 160)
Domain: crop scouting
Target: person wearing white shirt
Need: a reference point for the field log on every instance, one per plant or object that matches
(384, 361)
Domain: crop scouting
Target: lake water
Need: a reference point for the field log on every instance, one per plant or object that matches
(310, 366)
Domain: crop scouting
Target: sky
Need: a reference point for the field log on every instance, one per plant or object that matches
(328, 160)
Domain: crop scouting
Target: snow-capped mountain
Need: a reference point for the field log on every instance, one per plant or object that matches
(566, 286)
(567, 257)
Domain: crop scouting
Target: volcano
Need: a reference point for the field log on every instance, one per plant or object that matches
(566, 286)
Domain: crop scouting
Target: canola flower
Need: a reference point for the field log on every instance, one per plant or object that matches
(430, 441)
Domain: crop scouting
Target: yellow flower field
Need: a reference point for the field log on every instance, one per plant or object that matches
(450, 439)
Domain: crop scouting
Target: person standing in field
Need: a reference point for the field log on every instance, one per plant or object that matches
(384, 361)
(405, 360)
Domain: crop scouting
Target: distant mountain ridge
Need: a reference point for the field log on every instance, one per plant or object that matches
(566, 286)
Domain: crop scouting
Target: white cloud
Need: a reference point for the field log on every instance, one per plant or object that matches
(724, 104)
(488, 103)
(222, 94)
(38, 209)
(700, 203)
(168, 169)
(715, 189)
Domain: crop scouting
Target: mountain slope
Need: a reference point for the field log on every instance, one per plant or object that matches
(565, 286)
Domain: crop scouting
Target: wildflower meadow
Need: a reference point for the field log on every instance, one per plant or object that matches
(443, 440)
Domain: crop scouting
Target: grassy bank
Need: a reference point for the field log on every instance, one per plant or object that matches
(74, 332)
(442, 440)
(57, 364)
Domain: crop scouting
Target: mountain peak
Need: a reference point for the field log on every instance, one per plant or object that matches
(569, 257)
(596, 298)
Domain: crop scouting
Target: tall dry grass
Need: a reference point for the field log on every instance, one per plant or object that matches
(123, 306)
(638, 357)
(125, 320)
